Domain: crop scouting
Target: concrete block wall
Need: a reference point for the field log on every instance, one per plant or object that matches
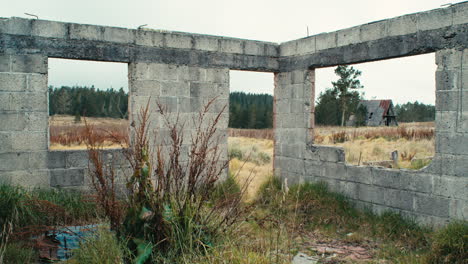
(403, 25)
(293, 108)
(432, 196)
(23, 119)
(183, 91)
(407, 35)
(183, 71)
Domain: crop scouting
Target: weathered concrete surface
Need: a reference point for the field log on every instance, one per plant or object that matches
(90, 42)
(183, 71)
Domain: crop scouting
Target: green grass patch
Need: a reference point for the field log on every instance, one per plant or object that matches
(450, 244)
(44, 206)
(18, 253)
(103, 247)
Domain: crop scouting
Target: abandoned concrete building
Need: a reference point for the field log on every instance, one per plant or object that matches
(183, 70)
(379, 113)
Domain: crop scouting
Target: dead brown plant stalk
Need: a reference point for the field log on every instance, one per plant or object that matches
(103, 177)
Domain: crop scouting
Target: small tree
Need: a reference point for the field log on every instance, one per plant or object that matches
(348, 80)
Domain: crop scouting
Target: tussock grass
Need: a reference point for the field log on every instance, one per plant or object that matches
(450, 244)
(44, 206)
(102, 247)
(18, 253)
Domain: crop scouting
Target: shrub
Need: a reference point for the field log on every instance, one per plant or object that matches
(169, 213)
(263, 157)
(235, 153)
(339, 137)
(450, 244)
(101, 247)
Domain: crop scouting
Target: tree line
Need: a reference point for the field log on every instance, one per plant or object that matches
(88, 101)
(246, 110)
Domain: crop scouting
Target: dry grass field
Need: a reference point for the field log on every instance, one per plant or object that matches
(363, 145)
(67, 134)
(251, 162)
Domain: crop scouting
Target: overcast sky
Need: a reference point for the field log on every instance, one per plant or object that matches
(406, 79)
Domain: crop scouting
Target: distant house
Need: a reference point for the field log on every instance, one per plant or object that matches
(379, 113)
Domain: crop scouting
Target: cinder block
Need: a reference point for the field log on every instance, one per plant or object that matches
(189, 73)
(66, 177)
(446, 121)
(448, 80)
(206, 43)
(14, 121)
(272, 49)
(178, 88)
(449, 59)
(297, 106)
(49, 29)
(402, 25)
(76, 159)
(231, 46)
(463, 125)
(360, 174)
(432, 205)
(460, 13)
(348, 36)
(330, 154)
(179, 41)
(254, 48)
(16, 26)
(417, 182)
(29, 63)
(282, 106)
(399, 199)
(217, 75)
(222, 91)
(451, 187)
(5, 63)
(36, 179)
(447, 100)
(449, 143)
(37, 82)
(12, 82)
(371, 194)
(86, 32)
(153, 71)
(23, 102)
(292, 151)
(169, 104)
(286, 120)
(206, 90)
(325, 41)
(373, 31)
(145, 87)
(119, 35)
(13, 161)
(145, 37)
(28, 141)
(38, 160)
(458, 209)
(336, 171)
(288, 48)
(305, 45)
(56, 159)
(5, 142)
(386, 178)
(435, 19)
(448, 164)
(349, 189)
